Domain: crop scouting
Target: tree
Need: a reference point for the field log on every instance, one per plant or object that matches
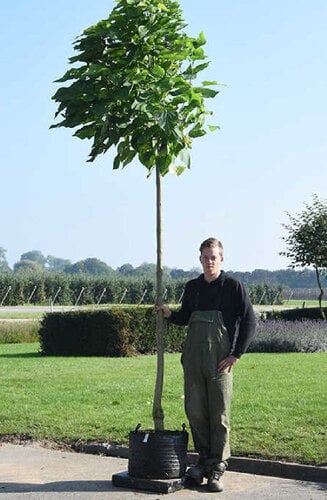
(307, 241)
(34, 256)
(126, 270)
(89, 266)
(4, 266)
(28, 267)
(56, 264)
(134, 88)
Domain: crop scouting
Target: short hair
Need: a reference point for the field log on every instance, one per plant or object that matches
(212, 242)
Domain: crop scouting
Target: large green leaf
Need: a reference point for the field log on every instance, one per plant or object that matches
(133, 84)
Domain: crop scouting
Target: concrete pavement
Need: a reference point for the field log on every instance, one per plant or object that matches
(32, 472)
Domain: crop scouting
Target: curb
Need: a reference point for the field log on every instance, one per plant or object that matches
(235, 464)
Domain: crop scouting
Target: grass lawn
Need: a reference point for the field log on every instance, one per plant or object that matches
(279, 405)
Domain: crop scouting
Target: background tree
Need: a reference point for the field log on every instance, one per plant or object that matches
(92, 266)
(28, 267)
(57, 264)
(134, 88)
(4, 266)
(307, 240)
(34, 256)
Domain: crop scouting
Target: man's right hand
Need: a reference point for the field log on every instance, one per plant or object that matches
(165, 311)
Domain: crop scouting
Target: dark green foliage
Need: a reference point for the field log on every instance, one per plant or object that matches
(297, 314)
(100, 333)
(110, 289)
(265, 294)
(133, 87)
(111, 332)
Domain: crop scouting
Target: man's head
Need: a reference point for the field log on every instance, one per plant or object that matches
(211, 258)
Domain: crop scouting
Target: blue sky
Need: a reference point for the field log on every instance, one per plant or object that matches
(268, 158)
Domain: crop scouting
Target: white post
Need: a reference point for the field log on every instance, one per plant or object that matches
(5, 295)
(30, 297)
(80, 295)
(56, 295)
(262, 296)
(180, 298)
(142, 298)
(123, 296)
(102, 294)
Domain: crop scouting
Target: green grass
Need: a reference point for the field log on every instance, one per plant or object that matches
(18, 331)
(279, 405)
(308, 303)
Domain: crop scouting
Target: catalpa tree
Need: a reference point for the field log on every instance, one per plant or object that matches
(134, 87)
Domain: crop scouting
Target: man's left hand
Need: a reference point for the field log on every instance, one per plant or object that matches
(227, 363)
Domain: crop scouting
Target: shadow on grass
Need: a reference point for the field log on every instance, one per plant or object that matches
(22, 355)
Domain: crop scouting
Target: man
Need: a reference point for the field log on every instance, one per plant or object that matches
(221, 324)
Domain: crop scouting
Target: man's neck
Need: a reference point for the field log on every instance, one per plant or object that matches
(211, 277)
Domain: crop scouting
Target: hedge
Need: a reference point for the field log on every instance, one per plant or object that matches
(131, 331)
(110, 332)
(297, 314)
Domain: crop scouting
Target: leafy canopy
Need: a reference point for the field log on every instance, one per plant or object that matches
(307, 236)
(134, 86)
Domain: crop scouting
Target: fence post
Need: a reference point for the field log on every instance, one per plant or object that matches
(33, 292)
(102, 294)
(142, 298)
(5, 295)
(80, 295)
(123, 296)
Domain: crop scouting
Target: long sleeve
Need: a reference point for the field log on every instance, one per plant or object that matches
(247, 322)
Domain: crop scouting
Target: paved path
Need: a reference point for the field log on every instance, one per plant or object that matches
(33, 472)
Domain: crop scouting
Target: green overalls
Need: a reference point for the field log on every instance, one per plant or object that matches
(208, 393)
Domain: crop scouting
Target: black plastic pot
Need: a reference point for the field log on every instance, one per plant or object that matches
(157, 454)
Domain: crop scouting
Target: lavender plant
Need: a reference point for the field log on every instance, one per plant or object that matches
(290, 336)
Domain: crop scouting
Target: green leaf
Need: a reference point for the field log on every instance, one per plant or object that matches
(176, 170)
(196, 132)
(207, 83)
(201, 40)
(86, 132)
(185, 158)
(207, 93)
(212, 128)
(116, 162)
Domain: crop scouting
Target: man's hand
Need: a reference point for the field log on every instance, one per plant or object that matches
(227, 363)
(165, 311)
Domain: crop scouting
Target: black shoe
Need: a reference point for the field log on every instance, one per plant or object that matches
(214, 480)
(194, 475)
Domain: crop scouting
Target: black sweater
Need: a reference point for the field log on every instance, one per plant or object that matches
(224, 294)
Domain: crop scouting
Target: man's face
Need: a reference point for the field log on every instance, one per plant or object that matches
(211, 261)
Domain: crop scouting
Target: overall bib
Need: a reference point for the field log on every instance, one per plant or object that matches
(208, 393)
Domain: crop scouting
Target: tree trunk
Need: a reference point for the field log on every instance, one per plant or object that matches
(157, 412)
(321, 294)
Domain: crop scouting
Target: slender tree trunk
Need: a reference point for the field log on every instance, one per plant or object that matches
(321, 294)
(157, 412)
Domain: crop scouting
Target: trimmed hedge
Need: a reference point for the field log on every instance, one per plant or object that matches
(131, 330)
(110, 332)
(87, 333)
(297, 314)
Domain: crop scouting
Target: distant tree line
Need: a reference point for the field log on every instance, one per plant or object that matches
(34, 263)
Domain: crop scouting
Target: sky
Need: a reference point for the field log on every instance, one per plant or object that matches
(268, 158)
